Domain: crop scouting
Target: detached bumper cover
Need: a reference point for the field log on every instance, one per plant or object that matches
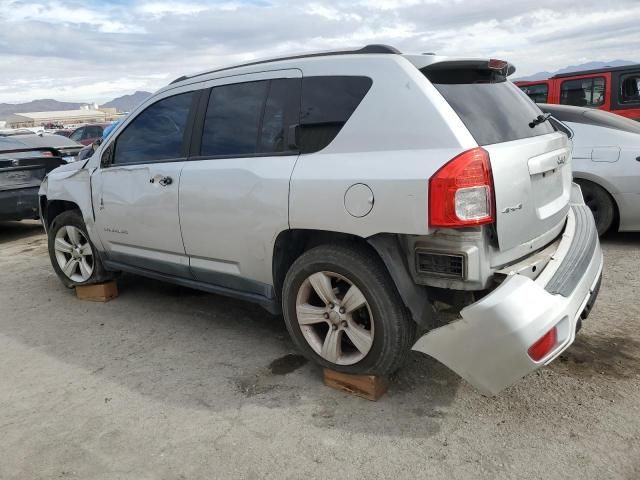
(488, 345)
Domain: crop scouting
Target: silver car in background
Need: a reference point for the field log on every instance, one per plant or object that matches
(606, 164)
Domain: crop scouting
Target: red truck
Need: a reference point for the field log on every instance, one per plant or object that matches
(615, 89)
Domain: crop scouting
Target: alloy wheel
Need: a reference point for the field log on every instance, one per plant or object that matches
(73, 253)
(335, 318)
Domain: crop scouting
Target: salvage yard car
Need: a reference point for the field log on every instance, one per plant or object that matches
(613, 89)
(355, 192)
(606, 164)
(25, 159)
(87, 134)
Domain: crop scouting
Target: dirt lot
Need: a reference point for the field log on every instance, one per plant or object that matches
(170, 383)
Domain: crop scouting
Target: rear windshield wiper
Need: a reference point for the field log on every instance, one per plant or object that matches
(539, 119)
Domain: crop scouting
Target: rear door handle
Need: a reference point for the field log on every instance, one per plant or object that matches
(163, 181)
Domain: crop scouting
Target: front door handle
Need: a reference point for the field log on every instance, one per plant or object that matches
(162, 181)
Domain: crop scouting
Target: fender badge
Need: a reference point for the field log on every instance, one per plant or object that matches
(511, 209)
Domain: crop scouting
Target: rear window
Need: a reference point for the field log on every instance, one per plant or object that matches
(492, 108)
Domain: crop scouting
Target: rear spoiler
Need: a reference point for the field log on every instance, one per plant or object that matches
(499, 66)
(54, 159)
(59, 152)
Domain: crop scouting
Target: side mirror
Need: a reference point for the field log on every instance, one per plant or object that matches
(107, 157)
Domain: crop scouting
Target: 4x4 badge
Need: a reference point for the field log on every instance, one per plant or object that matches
(512, 209)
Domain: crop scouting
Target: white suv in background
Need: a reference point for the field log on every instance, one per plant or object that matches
(353, 191)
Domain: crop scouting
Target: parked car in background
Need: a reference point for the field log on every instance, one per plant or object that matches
(65, 132)
(88, 134)
(615, 89)
(353, 191)
(25, 159)
(88, 150)
(25, 139)
(606, 164)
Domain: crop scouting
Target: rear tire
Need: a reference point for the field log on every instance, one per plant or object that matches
(368, 326)
(73, 255)
(600, 203)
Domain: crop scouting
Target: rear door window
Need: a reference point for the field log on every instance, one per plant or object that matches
(492, 108)
(583, 92)
(250, 118)
(630, 88)
(539, 93)
(233, 119)
(327, 104)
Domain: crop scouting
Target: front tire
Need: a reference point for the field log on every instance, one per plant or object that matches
(73, 255)
(343, 311)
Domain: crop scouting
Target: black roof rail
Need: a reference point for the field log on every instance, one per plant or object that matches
(369, 49)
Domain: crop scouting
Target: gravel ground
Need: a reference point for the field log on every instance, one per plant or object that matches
(170, 383)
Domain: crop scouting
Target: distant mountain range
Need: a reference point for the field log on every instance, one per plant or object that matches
(577, 68)
(126, 103)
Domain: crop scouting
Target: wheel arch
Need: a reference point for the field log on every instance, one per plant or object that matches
(69, 189)
(290, 244)
(607, 187)
(52, 208)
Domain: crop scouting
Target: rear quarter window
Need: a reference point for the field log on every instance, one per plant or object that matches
(327, 104)
(630, 88)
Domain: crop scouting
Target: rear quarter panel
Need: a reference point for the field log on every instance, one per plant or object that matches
(402, 132)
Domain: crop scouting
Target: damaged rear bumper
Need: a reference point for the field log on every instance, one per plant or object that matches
(488, 345)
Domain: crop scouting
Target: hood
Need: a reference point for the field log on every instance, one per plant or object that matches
(69, 167)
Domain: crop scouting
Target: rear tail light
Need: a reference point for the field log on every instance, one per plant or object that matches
(544, 345)
(461, 192)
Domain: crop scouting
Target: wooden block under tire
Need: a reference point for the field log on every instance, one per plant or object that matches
(371, 387)
(99, 292)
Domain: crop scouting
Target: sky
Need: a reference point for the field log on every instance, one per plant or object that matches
(95, 50)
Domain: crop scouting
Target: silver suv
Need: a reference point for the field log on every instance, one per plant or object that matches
(361, 193)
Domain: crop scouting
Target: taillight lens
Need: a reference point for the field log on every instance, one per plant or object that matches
(461, 192)
(542, 347)
(495, 64)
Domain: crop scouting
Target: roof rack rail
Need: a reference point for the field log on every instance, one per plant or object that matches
(369, 49)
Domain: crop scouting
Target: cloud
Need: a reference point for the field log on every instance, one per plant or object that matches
(90, 50)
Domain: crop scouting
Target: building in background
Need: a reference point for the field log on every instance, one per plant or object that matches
(62, 117)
